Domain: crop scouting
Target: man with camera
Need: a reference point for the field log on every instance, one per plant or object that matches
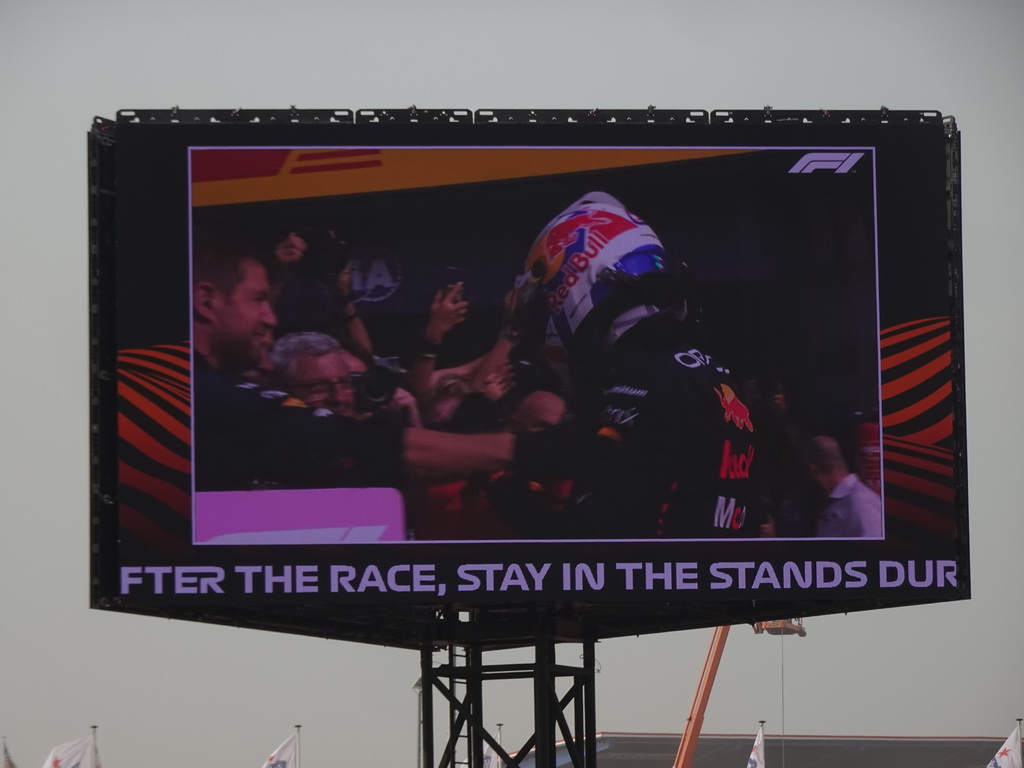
(315, 368)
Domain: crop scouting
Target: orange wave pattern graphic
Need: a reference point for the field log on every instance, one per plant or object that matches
(154, 446)
(918, 447)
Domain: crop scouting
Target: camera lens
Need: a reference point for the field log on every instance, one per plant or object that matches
(379, 384)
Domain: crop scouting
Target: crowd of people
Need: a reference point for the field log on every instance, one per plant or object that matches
(633, 432)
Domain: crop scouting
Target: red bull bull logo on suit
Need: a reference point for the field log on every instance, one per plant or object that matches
(735, 411)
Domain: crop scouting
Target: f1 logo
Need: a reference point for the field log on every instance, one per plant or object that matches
(840, 162)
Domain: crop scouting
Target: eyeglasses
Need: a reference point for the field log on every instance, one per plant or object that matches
(324, 387)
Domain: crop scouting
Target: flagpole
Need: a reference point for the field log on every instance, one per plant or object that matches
(1020, 754)
(95, 748)
(298, 759)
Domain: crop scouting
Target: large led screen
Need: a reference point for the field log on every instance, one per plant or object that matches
(359, 365)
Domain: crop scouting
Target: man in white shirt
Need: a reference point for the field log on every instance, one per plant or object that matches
(853, 509)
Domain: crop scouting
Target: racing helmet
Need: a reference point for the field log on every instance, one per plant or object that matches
(589, 266)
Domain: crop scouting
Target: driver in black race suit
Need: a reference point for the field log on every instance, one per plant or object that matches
(661, 445)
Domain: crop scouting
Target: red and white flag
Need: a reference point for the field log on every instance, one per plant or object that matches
(1009, 755)
(756, 759)
(73, 754)
(285, 755)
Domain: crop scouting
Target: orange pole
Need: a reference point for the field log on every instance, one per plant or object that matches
(688, 743)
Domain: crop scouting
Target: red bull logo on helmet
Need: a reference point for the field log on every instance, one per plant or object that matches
(569, 247)
(735, 411)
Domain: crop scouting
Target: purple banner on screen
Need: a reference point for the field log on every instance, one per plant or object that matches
(319, 516)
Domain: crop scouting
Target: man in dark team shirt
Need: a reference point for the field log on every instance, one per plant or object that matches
(247, 436)
(665, 447)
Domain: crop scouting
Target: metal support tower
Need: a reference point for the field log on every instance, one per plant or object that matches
(568, 716)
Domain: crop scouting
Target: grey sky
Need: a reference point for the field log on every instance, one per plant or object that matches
(171, 693)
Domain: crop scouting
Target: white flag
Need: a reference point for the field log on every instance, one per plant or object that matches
(491, 759)
(1009, 755)
(284, 756)
(757, 753)
(74, 754)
